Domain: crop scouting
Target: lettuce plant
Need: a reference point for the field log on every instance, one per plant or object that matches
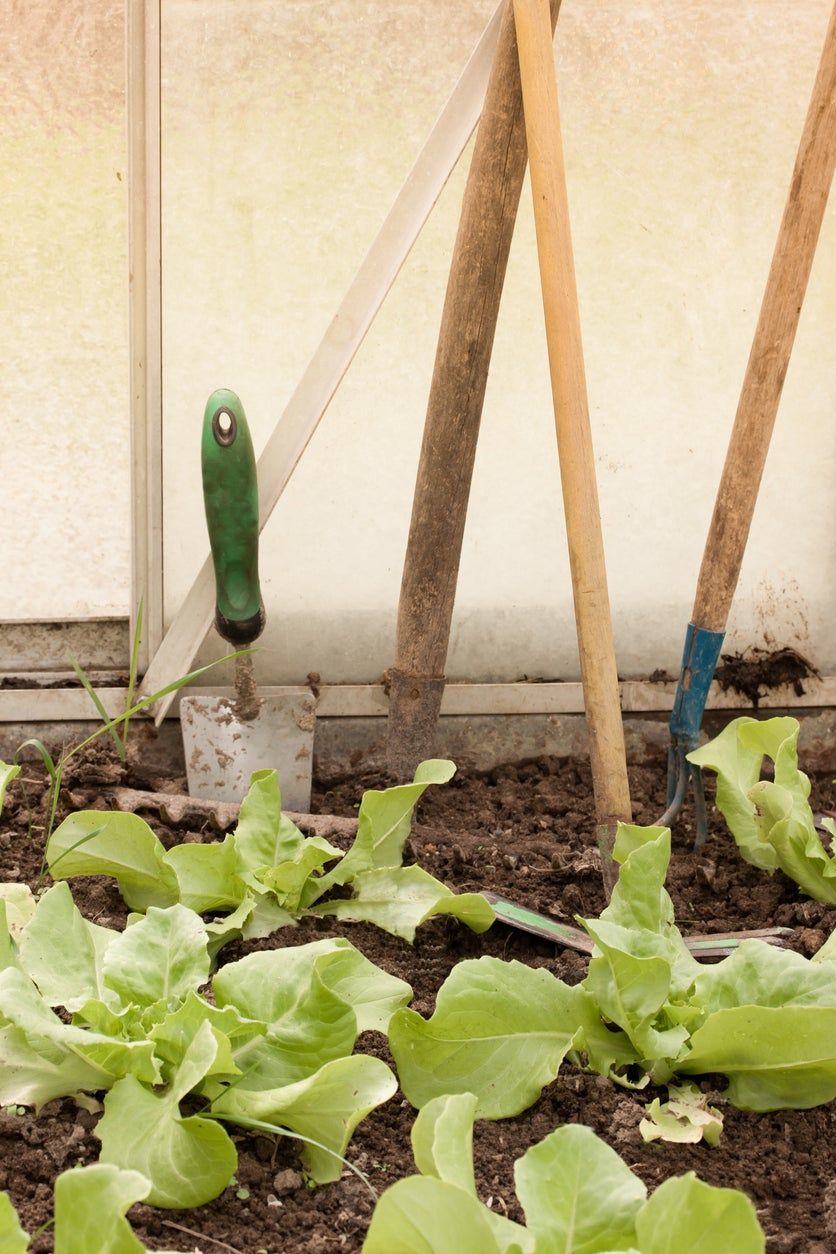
(269, 1046)
(578, 1197)
(267, 874)
(685, 1118)
(771, 820)
(90, 1208)
(647, 1011)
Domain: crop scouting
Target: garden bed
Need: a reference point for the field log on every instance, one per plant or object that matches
(523, 831)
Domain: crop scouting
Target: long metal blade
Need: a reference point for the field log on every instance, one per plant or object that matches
(701, 946)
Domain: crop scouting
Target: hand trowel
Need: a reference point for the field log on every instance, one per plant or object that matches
(227, 739)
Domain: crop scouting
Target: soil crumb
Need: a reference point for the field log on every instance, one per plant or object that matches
(755, 672)
(246, 704)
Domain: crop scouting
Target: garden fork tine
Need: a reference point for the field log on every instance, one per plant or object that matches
(752, 430)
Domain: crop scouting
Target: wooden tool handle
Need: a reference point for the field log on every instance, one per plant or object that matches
(771, 349)
(454, 410)
(574, 438)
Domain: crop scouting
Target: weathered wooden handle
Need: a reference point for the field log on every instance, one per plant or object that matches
(454, 411)
(771, 349)
(571, 413)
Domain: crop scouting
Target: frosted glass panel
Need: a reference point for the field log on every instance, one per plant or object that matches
(64, 460)
(288, 129)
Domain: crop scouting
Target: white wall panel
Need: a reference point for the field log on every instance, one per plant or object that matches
(64, 460)
(288, 127)
(286, 136)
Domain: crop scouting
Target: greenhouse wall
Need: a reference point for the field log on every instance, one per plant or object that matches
(288, 127)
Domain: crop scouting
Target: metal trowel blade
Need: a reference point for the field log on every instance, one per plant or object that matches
(222, 750)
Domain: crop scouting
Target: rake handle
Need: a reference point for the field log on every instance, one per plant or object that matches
(571, 413)
(771, 348)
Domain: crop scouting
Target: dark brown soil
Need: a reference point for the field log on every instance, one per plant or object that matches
(523, 830)
(755, 672)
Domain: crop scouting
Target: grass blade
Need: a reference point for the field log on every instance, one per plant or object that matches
(97, 701)
(129, 695)
(81, 841)
(258, 1125)
(43, 753)
(174, 686)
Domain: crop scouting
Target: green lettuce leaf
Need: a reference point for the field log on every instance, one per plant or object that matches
(771, 821)
(266, 917)
(736, 756)
(289, 879)
(399, 899)
(173, 1034)
(383, 825)
(95, 842)
(32, 1078)
(422, 1215)
(258, 915)
(776, 1057)
(8, 949)
(325, 1107)
(757, 974)
(230, 927)
(768, 1021)
(603, 1048)
(160, 958)
(64, 953)
(374, 995)
(188, 1161)
(579, 1197)
(264, 836)
(8, 772)
(641, 973)
(500, 1030)
(686, 1216)
(13, 1239)
(442, 1145)
(106, 1058)
(263, 985)
(786, 822)
(685, 1118)
(442, 1139)
(827, 952)
(308, 1024)
(20, 906)
(207, 875)
(90, 1208)
(266, 873)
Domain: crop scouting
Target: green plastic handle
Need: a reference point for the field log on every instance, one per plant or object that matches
(230, 497)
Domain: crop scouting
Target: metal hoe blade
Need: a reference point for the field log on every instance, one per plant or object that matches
(535, 924)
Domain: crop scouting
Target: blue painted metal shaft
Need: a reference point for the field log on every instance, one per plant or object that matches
(699, 662)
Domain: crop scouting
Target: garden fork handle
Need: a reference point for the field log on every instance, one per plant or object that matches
(757, 408)
(771, 349)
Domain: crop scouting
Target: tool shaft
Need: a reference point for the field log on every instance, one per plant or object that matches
(769, 358)
(571, 414)
(454, 410)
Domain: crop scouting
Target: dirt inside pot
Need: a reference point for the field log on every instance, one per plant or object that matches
(525, 831)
